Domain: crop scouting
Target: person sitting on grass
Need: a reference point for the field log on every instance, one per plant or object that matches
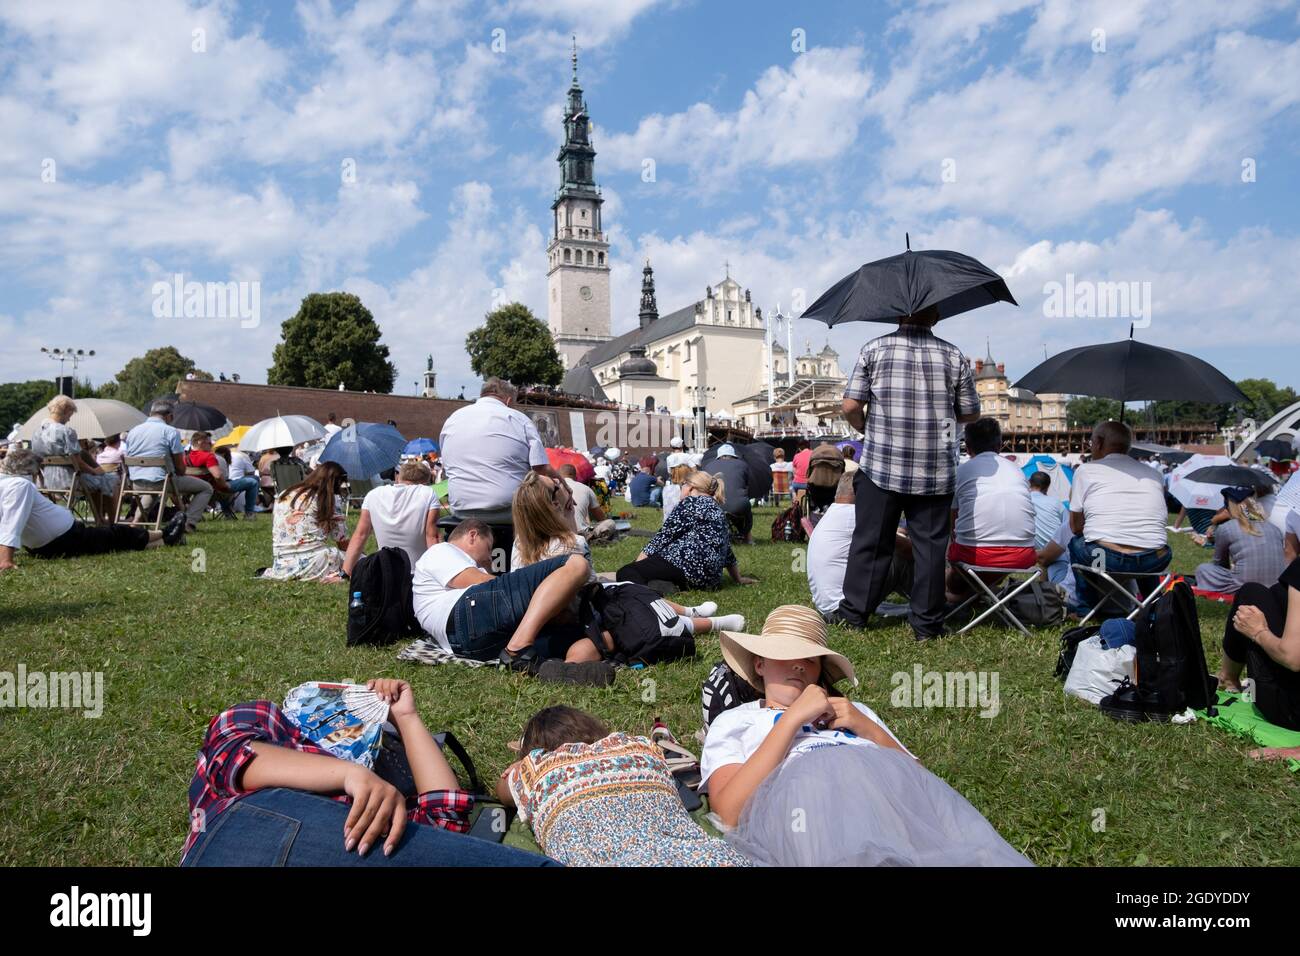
(472, 613)
(29, 519)
(828, 552)
(1262, 637)
(1246, 548)
(309, 534)
(1117, 513)
(263, 794)
(992, 516)
(678, 468)
(734, 474)
(693, 547)
(644, 487)
(542, 513)
(597, 798)
(401, 515)
(588, 516)
(805, 754)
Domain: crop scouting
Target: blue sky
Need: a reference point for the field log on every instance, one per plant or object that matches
(1001, 128)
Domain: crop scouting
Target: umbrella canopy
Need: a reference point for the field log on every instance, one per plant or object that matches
(282, 431)
(855, 444)
(1275, 448)
(420, 446)
(1035, 464)
(365, 449)
(94, 418)
(1131, 371)
(1232, 476)
(193, 417)
(1193, 494)
(567, 456)
(757, 456)
(889, 290)
(234, 438)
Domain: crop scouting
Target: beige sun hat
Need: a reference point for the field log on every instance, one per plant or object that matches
(791, 633)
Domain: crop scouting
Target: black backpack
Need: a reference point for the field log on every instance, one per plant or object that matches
(644, 626)
(1170, 655)
(722, 690)
(386, 613)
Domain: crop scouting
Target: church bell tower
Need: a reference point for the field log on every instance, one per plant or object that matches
(577, 277)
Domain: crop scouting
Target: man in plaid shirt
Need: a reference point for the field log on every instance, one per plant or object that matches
(908, 394)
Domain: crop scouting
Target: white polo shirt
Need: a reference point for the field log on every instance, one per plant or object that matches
(398, 513)
(993, 504)
(27, 517)
(431, 597)
(1122, 501)
(487, 449)
(828, 555)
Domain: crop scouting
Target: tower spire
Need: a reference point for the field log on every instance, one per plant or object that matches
(575, 59)
(649, 307)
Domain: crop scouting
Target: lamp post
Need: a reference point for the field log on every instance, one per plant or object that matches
(76, 356)
(701, 394)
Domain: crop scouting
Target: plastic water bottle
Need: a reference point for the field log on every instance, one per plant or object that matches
(356, 601)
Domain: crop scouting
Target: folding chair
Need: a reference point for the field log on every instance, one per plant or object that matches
(358, 488)
(66, 497)
(781, 487)
(286, 474)
(1103, 581)
(126, 489)
(996, 603)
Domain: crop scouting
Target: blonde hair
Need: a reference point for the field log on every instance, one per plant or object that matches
(779, 454)
(1246, 513)
(61, 407)
(677, 474)
(537, 519)
(706, 483)
(415, 473)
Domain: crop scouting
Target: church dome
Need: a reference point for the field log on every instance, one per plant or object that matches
(637, 364)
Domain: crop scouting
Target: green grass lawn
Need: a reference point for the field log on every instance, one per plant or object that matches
(177, 644)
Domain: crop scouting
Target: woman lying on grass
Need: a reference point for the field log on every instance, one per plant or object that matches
(265, 795)
(805, 777)
(595, 798)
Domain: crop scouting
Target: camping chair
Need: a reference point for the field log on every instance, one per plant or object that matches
(1114, 588)
(781, 487)
(358, 488)
(286, 474)
(996, 603)
(138, 516)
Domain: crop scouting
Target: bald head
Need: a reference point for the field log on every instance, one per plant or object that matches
(1110, 438)
(568, 471)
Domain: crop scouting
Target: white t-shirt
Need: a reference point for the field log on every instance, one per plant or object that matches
(993, 504)
(241, 466)
(828, 555)
(432, 598)
(584, 499)
(27, 517)
(782, 466)
(398, 513)
(331, 429)
(487, 449)
(555, 548)
(1122, 501)
(735, 734)
(672, 495)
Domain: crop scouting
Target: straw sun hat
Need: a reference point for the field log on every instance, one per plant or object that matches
(790, 633)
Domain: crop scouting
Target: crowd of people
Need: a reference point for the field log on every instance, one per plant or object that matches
(500, 570)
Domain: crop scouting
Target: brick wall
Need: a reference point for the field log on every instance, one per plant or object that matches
(246, 404)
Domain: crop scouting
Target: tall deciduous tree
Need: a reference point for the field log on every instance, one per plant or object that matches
(1085, 412)
(150, 375)
(332, 339)
(515, 345)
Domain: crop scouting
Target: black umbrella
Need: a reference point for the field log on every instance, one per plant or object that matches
(1275, 448)
(1232, 476)
(889, 290)
(1131, 371)
(191, 416)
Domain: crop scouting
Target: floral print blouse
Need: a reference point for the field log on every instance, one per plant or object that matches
(696, 538)
(304, 549)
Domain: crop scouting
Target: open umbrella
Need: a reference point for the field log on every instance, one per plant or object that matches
(282, 431)
(1191, 494)
(420, 446)
(889, 290)
(567, 456)
(1233, 476)
(94, 418)
(194, 417)
(1131, 371)
(364, 449)
(1275, 448)
(853, 443)
(234, 438)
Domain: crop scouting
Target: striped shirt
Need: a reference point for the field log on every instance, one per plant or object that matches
(915, 386)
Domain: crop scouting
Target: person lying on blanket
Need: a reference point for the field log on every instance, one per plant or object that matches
(263, 794)
(805, 755)
(596, 798)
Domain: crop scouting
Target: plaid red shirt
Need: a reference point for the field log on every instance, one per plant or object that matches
(228, 748)
(915, 386)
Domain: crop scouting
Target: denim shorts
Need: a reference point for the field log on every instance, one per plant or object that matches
(486, 615)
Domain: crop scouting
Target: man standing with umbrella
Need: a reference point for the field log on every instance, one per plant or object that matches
(908, 393)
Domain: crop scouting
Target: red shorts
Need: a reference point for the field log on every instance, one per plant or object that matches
(1013, 559)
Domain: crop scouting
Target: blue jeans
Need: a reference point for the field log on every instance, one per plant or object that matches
(248, 485)
(485, 617)
(1115, 563)
(279, 827)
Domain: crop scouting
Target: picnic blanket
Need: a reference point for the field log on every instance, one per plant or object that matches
(1243, 718)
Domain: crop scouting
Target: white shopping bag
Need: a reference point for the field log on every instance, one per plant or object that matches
(1097, 671)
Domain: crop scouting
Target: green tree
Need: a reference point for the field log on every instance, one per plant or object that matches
(332, 339)
(1264, 399)
(1084, 412)
(20, 400)
(515, 345)
(150, 375)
